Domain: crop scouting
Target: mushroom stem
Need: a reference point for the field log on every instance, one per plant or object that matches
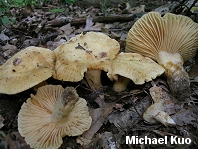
(177, 78)
(93, 79)
(39, 85)
(120, 84)
(64, 105)
(165, 119)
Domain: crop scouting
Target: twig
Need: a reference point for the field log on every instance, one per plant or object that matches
(106, 19)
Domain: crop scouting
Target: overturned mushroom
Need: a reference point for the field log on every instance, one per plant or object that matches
(155, 112)
(170, 40)
(51, 114)
(90, 52)
(26, 69)
(135, 67)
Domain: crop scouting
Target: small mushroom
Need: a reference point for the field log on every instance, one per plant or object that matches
(170, 40)
(135, 67)
(86, 53)
(26, 69)
(51, 114)
(155, 112)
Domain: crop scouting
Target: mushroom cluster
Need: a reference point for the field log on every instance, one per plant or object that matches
(55, 112)
(51, 114)
(170, 40)
(87, 53)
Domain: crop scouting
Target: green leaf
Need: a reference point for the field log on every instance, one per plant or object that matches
(5, 20)
(70, 1)
(19, 2)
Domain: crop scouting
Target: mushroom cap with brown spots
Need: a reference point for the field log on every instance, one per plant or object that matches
(86, 51)
(26, 69)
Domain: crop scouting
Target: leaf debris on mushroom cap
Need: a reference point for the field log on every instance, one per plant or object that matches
(92, 50)
(171, 33)
(26, 69)
(35, 124)
(136, 67)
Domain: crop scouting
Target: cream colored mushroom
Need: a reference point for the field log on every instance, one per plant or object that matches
(135, 67)
(155, 112)
(170, 40)
(82, 53)
(26, 69)
(51, 114)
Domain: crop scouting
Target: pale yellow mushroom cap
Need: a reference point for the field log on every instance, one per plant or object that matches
(89, 51)
(26, 69)
(136, 67)
(171, 33)
(70, 66)
(35, 122)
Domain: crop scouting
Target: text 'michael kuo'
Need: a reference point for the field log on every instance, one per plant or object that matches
(147, 140)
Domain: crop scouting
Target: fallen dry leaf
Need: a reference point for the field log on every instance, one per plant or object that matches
(193, 73)
(1, 121)
(99, 117)
(89, 24)
(163, 9)
(98, 27)
(186, 116)
(9, 50)
(3, 143)
(127, 119)
(16, 141)
(67, 31)
(2, 60)
(105, 140)
(53, 45)
(3, 37)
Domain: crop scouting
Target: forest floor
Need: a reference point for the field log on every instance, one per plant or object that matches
(116, 115)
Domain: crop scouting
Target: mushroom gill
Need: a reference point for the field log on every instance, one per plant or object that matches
(170, 40)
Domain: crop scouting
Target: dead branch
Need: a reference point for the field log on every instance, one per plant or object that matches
(106, 19)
